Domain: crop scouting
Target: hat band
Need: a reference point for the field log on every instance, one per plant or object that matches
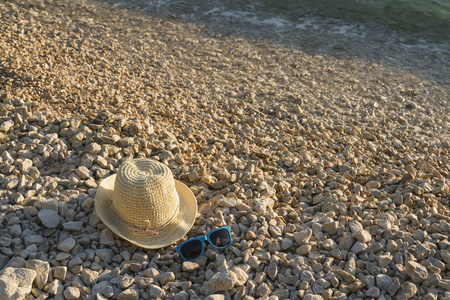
(148, 229)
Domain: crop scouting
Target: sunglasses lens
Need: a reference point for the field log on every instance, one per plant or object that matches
(191, 250)
(220, 238)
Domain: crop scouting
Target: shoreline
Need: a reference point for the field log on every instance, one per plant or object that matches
(310, 33)
(333, 172)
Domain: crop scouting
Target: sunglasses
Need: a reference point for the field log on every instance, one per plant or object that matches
(192, 249)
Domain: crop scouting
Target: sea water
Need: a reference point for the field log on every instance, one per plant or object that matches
(431, 18)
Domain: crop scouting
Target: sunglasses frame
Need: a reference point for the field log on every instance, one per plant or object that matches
(204, 239)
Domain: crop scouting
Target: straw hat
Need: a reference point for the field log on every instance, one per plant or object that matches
(143, 204)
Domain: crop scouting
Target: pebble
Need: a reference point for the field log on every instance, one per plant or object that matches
(373, 292)
(411, 105)
(241, 276)
(67, 245)
(49, 218)
(92, 148)
(107, 237)
(362, 235)
(359, 247)
(330, 227)
(220, 282)
(105, 254)
(42, 269)
(215, 297)
(189, 266)
(89, 276)
(60, 272)
(128, 294)
(156, 291)
(165, 277)
(272, 271)
(406, 291)
(416, 271)
(73, 226)
(303, 236)
(383, 282)
(72, 293)
(55, 287)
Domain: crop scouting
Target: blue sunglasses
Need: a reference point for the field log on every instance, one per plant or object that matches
(192, 249)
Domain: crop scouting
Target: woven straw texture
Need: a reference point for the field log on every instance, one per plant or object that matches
(143, 204)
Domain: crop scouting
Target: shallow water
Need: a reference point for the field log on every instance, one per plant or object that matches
(431, 19)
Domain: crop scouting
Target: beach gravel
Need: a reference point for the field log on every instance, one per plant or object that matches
(331, 171)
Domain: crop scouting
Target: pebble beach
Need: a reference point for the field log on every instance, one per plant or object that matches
(332, 171)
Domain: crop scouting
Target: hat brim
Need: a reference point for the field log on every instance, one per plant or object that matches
(171, 233)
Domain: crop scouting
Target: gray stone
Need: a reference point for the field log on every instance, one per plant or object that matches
(73, 226)
(376, 193)
(49, 218)
(286, 243)
(445, 284)
(411, 105)
(37, 240)
(445, 255)
(373, 292)
(272, 271)
(3, 260)
(156, 291)
(107, 237)
(262, 290)
(51, 204)
(76, 261)
(406, 291)
(181, 296)
(67, 245)
(359, 247)
(105, 254)
(383, 282)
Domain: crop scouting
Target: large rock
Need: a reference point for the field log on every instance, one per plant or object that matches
(16, 283)
(220, 282)
(42, 269)
(416, 271)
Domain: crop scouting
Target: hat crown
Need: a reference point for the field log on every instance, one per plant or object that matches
(145, 196)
